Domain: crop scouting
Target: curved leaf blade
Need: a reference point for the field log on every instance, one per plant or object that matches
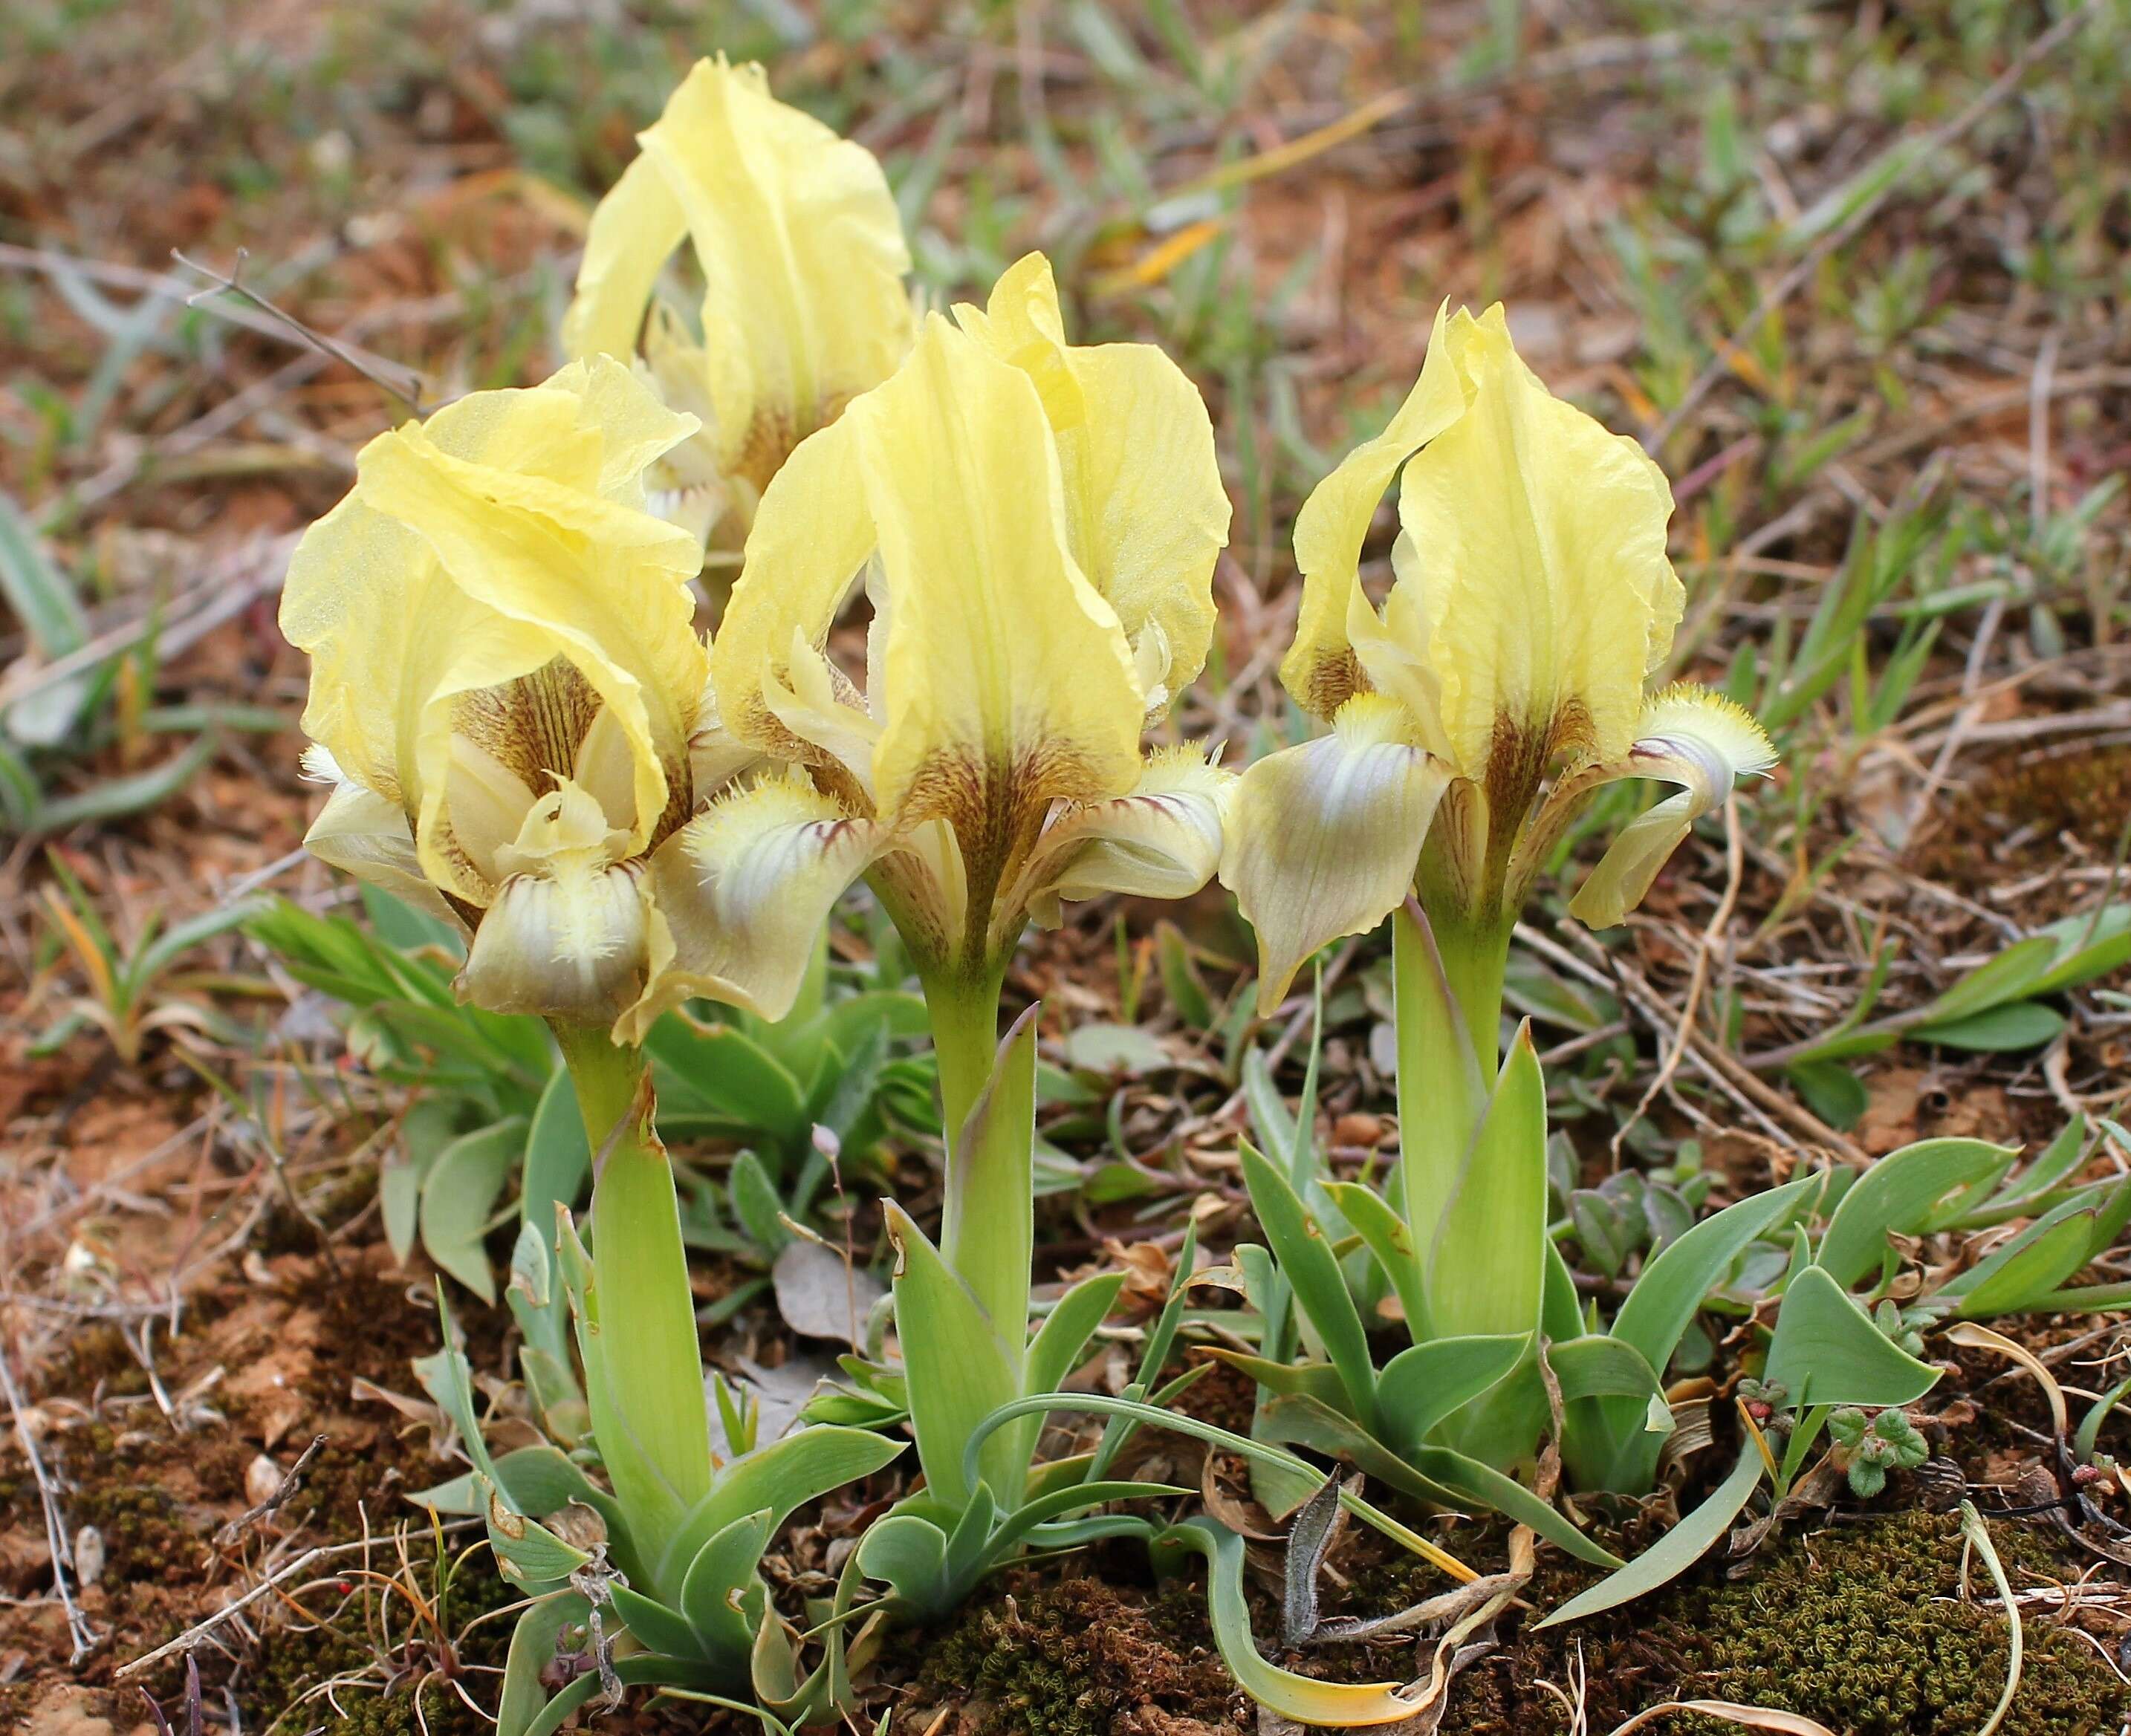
(1337, 1704)
(1826, 1350)
(1673, 1553)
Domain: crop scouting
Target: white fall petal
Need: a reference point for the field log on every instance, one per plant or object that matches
(738, 894)
(1687, 736)
(360, 832)
(1322, 839)
(565, 937)
(1163, 840)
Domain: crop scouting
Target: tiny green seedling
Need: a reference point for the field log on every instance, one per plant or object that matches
(133, 988)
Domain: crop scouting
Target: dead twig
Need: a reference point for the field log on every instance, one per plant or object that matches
(170, 288)
(199, 1631)
(363, 363)
(292, 1479)
(1718, 1063)
(84, 1637)
(1735, 862)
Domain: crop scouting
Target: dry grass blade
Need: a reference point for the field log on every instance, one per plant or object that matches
(1978, 1536)
(84, 1637)
(1971, 1336)
(1753, 1718)
(1735, 860)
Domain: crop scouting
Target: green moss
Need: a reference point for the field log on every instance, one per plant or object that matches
(290, 1663)
(144, 1539)
(2086, 795)
(341, 1484)
(1854, 1626)
(98, 1361)
(1076, 1657)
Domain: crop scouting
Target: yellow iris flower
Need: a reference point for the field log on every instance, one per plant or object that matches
(801, 251)
(1532, 600)
(507, 692)
(1036, 525)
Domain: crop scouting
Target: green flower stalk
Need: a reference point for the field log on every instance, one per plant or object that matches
(650, 1413)
(1502, 683)
(1036, 525)
(509, 696)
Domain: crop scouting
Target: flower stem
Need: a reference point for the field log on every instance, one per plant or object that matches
(963, 1014)
(649, 1416)
(1447, 979)
(988, 1232)
(1474, 959)
(1462, 1190)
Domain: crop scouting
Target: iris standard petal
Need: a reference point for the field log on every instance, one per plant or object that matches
(801, 250)
(602, 583)
(1146, 511)
(1534, 553)
(634, 232)
(492, 582)
(1320, 668)
(395, 647)
(1010, 681)
(812, 536)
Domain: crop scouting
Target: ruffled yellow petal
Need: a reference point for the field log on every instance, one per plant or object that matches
(1320, 669)
(1322, 840)
(1691, 737)
(504, 537)
(383, 626)
(591, 427)
(739, 894)
(1163, 840)
(801, 250)
(1533, 562)
(634, 232)
(1009, 682)
(812, 534)
(1146, 512)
